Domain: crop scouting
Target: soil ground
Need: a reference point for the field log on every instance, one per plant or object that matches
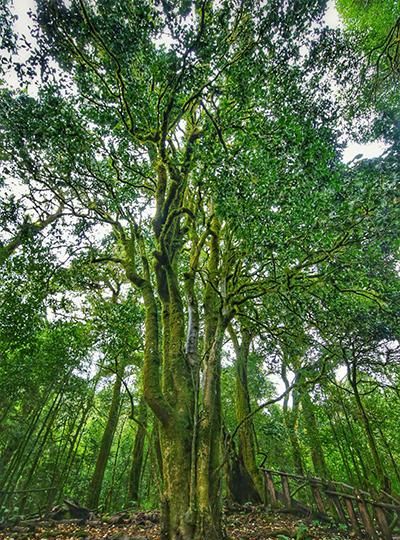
(249, 524)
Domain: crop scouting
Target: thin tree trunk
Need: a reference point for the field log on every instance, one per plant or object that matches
(20, 459)
(135, 472)
(339, 443)
(66, 470)
(352, 444)
(17, 452)
(39, 453)
(313, 435)
(108, 505)
(291, 420)
(105, 445)
(247, 444)
(390, 453)
(378, 464)
(62, 455)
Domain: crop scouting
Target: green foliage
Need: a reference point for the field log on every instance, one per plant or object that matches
(374, 17)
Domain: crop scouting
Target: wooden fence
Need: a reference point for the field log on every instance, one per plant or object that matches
(372, 516)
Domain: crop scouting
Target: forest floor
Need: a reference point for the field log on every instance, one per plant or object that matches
(250, 524)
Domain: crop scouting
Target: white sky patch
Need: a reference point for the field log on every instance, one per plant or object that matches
(164, 40)
(366, 151)
(332, 19)
(21, 9)
(341, 373)
(22, 26)
(276, 379)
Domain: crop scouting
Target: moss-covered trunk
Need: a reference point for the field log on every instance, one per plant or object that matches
(313, 435)
(135, 472)
(247, 441)
(189, 412)
(105, 445)
(239, 484)
(291, 416)
(210, 439)
(380, 473)
(177, 517)
(170, 389)
(209, 509)
(189, 415)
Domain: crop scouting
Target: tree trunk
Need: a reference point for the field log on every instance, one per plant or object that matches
(11, 463)
(135, 472)
(209, 516)
(352, 442)
(291, 418)
(39, 452)
(378, 464)
(105, 445)
(390, 453)
(21, 457)
(240, 485)
(189, 413)
(177, 519)
(339, 443)
(191, 506)
(62, 475)
(313, 436)
(109, 499)
(247, 442)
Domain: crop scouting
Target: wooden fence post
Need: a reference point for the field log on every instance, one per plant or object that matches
(366, 519)
(382, 521)
(352, 515)
(265, 493)
(317, 497)
(338, 507)
(351, 508)
(286, 491)
(270, 488)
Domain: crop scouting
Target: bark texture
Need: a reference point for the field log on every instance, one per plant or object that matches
(105, 446)
(135, 472)
(247, 438)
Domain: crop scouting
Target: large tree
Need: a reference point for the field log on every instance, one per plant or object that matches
(200, 137)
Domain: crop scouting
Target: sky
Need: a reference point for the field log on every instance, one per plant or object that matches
(332, 18)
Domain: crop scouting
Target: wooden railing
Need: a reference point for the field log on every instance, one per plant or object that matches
(373, 516)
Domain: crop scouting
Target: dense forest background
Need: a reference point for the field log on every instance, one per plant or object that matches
(193, 281)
